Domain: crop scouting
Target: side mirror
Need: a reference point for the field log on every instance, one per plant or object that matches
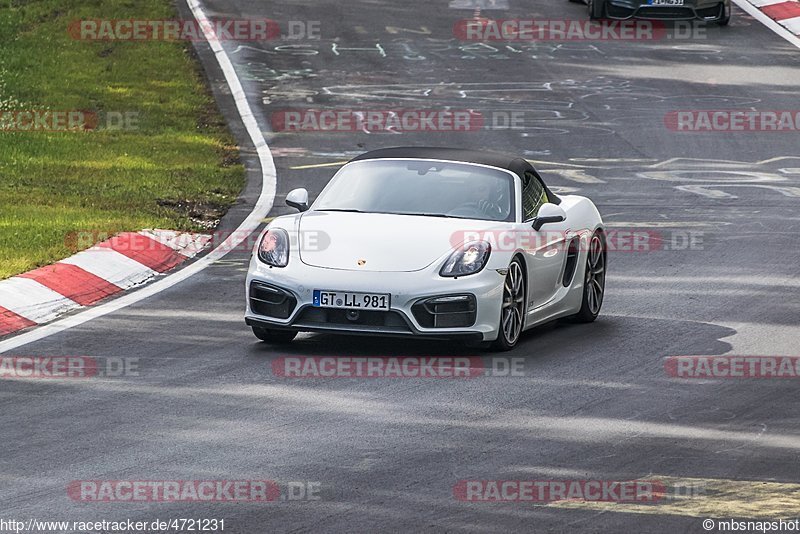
(298, 199)
(549, 213)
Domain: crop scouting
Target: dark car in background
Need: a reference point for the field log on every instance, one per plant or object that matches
(716, 11)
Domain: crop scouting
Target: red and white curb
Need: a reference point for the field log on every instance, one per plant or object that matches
(125, 261)
(251, 223)
(786, 13)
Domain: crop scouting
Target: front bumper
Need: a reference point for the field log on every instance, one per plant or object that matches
(707, 10)
(292, 307)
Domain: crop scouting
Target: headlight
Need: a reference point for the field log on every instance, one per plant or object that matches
(470, 258)
(274, 248)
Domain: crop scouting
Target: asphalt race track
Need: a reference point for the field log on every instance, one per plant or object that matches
(594, 401)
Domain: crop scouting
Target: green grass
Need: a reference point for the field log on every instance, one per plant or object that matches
(53, 184)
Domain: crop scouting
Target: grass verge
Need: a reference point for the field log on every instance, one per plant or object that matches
(171, 164)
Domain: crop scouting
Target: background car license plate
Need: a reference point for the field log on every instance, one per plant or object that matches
(352, 301)
(666, 2)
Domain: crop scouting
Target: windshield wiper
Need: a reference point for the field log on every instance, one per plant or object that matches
(442, 215)
(344, 210)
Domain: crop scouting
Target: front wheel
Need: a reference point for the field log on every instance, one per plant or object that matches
(512, 313)
(725, 17)
(597, 9)
(594, 280)
(274, 336)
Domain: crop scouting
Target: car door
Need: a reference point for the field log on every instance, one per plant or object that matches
(545, 250)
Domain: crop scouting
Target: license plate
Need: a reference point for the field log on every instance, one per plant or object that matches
(665, 2)
(351, 301)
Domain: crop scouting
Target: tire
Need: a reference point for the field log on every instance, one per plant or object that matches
(597, 9)
(594, 280)
(512, 311)
(274, 336)
(725, 19)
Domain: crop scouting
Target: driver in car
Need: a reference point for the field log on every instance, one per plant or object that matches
(486, 199)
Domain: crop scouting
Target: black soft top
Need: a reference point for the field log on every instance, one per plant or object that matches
(515, 164)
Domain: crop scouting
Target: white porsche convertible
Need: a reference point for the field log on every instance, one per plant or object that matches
(438, 242)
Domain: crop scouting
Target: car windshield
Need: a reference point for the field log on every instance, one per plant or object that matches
(420, 187)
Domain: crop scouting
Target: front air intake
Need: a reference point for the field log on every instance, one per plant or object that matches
(447, 311)
(271, 301)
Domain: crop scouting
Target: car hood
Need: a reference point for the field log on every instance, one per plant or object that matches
(378, 241)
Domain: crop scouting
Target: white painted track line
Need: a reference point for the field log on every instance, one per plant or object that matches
(248, 226)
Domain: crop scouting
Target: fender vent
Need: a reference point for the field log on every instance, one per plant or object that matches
(572, 261)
